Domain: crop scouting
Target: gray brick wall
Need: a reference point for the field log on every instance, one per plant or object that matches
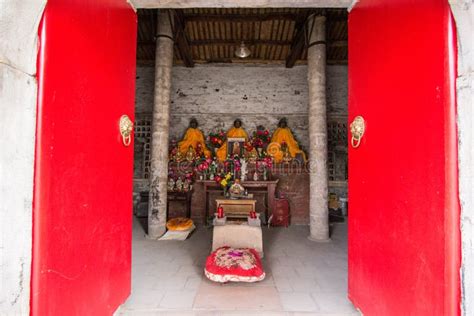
(217, 94)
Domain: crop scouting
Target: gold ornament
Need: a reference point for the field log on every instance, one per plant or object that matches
(190, 154)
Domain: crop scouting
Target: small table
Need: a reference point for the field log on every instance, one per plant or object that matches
(184, 196)
(240, 208)
(269, 187)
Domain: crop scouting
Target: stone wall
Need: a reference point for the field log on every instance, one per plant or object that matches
(463, 11)
(19, 22)
(216, 95)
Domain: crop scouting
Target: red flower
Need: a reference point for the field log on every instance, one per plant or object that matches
(266, 133)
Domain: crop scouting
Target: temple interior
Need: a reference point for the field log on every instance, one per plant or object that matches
(240, 141)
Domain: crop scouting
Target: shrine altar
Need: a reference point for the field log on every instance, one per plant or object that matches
(267, 187)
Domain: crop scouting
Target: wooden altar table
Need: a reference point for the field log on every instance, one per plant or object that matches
(239, 208)
(184, 196)
(268, 187)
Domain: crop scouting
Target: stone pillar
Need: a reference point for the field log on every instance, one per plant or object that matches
(318, 151)
(160, 127)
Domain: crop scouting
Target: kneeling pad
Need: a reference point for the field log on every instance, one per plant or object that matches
(234, 264)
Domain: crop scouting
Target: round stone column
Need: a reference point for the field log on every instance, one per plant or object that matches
(318, 151)
(157, 203)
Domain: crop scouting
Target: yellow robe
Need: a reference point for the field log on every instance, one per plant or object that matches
(284, 135)
(234, 132)
(193, 137)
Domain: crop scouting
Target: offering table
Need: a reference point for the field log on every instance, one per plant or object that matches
(267, 187)
(236, 208)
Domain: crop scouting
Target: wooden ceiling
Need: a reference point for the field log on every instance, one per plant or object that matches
(272, 35)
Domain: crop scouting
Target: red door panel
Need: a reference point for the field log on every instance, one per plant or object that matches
(404, 214)
(83, 172)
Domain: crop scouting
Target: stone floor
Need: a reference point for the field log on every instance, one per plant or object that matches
(303, 277)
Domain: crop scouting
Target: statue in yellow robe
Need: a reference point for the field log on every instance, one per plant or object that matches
(193, 137)
(283, 135)
(235, 132)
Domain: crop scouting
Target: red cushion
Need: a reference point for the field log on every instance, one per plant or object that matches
(234, 264)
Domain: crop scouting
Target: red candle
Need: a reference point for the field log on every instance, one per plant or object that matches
(220, 212)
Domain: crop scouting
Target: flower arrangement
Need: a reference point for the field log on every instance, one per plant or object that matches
(202, 165)
(216, 138)
(264, 165)
(261, 137)
(265, 162)
(199, 151)
(248, 146)
(225, 180)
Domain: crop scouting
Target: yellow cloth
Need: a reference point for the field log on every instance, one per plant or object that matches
(193, 137)
(284, 135)
(234, 132)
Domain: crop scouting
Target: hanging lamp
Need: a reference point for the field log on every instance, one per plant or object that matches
(242, 51)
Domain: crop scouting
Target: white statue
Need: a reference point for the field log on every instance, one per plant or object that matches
(243, 169)
(179, 184)
(255, 176)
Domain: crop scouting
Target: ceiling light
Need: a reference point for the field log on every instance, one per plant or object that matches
(242, 51)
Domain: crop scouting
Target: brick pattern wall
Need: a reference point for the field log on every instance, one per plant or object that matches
(216, 95)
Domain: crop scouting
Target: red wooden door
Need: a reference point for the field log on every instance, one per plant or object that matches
(404, 248)
(83, 172)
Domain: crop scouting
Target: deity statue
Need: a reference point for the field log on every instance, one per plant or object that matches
(243, 169)
(235, 132)
(236, 189)
(190, 154)
(283, 136)
(187, 185)
(253, 155)
(171, 184)
(179, 184)
(178, 157)
(194, 138)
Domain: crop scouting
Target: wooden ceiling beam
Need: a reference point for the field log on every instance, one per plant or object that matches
(181, 40)
(251, 61)
(225, 42)
(253, 17)
(240, 17)
(237, 42)
(298, 42)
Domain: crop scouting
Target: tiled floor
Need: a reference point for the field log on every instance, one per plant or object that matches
(303, 277)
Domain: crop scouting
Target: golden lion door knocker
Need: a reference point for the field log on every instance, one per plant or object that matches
(357, 131)
(126, 127)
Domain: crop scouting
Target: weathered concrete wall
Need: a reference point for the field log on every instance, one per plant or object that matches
(216, 95)
(463, 11)
(175, 4)
(18, 51)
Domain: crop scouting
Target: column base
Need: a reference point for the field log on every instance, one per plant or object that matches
(155, 232)
(319, 239)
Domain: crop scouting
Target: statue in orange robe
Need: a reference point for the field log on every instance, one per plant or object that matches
(235, 132)
(283, 135)
(193, 137)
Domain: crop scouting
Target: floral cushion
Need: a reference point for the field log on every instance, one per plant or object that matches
(234, 264)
